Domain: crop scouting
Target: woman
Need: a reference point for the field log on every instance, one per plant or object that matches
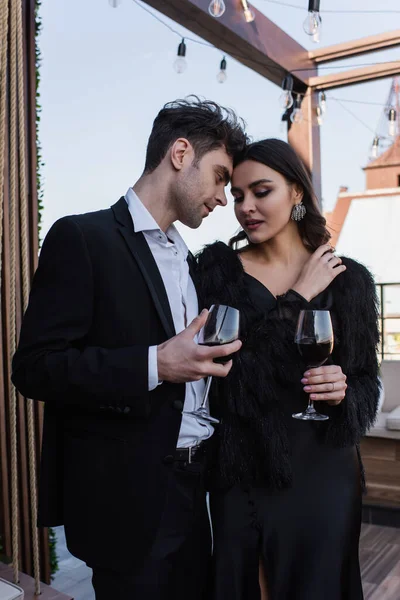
(286, 494)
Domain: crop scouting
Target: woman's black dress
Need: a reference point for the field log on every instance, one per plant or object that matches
(285, 491)
(307, 535)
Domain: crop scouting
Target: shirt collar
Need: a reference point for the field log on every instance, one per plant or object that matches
(144, 221)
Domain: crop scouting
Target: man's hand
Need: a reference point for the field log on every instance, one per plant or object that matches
(180, 359)
(327, 384)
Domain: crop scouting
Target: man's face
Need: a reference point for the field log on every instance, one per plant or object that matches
(200, 187)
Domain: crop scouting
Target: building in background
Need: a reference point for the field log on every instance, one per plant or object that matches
(366, 226)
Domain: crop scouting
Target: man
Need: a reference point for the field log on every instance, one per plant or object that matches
(108, 342)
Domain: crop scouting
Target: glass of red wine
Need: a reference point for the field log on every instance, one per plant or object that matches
(221, 327)
(314, 339)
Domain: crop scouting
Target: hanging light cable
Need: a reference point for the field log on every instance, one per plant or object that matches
(114, 3)
(392, 122)
(216, 8)
(222, 76)
(312, 24)
(180, 64)
(247, 12)
(286, 98)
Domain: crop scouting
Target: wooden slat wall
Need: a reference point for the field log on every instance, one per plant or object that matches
(5, 386)
(381, 458)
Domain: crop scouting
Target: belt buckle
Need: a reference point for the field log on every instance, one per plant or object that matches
(190, 455)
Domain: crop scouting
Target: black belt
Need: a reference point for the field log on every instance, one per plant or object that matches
(190, 455)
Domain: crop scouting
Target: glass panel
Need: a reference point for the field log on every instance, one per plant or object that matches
(391, 300)
(392, 339)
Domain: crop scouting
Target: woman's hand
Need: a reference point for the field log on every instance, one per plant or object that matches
(318, 272)
(327, 384)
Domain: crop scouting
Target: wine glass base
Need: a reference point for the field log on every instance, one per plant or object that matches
(201, 414)
(310, 416)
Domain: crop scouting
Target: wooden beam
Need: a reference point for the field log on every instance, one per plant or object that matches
(261, 45)
(347, 78)
(371, 43)
(304, 137)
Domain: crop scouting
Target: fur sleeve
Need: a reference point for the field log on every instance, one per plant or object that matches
(356, 305)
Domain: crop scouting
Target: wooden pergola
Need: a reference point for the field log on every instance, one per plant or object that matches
(261, 46)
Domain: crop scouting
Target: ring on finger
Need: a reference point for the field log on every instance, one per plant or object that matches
(333, 387)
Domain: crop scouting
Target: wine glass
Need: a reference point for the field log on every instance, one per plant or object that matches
(314, 339)
(221, 327)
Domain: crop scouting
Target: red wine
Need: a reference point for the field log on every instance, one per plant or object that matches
(314, 353)
(222, 360)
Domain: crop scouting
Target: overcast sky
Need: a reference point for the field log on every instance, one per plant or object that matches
(106, 73)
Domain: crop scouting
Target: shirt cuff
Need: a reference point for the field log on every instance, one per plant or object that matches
(153, 369)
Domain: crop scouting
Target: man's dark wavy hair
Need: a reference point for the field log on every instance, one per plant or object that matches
(205, 124)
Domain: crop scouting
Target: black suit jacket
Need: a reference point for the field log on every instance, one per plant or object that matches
(97, 303)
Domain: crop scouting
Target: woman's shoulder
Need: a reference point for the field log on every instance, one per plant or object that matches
(218, 256)
(356, 272)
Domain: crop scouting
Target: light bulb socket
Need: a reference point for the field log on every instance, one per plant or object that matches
(375, 143)
(297, 102)
(313, 5)
(182, 48)
(392, 115)
(322, 97)
(222, 66)
(287, 83)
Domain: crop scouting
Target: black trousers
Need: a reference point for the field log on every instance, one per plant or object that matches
(177, 565)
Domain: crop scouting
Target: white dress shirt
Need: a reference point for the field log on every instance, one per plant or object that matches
(170, 253)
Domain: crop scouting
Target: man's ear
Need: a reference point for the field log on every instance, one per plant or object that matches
(180, 152)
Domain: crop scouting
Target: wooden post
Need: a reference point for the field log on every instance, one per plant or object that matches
(304, 137)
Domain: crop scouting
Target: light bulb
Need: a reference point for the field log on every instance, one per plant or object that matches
(248, 14)
(222, 76)
(217, 8)
(297, 113)
(180, 64)
(322, 101)
(375, 145)
(286, 99)
(392, 122)
(319, 115)
(114, 3)
(312, 25)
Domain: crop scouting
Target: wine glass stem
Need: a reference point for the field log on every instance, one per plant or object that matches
(206, 390)
(310, 407)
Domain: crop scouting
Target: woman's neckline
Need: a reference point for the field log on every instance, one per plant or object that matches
(260, 283)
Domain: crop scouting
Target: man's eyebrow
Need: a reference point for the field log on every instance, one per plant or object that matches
(224, 172)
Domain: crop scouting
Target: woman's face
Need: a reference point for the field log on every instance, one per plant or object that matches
(263, 200)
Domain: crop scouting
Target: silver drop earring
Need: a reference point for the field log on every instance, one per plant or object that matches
(298, 212)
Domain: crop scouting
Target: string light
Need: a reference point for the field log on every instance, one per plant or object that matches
(375, 145)
(312, 24)
(286, 98)
(247, 12)
(322, 101)
(222, 76)
(217, 8)
(319, 112)
(180, 64)
(114, 3)
(297, 113)
(392, 122)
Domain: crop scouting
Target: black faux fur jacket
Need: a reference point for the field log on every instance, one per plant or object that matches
(253, 440)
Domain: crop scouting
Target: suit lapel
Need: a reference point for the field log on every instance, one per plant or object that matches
(143, 256)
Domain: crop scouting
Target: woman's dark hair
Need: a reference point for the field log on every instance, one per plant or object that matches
(204, 123)
(281, 157)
